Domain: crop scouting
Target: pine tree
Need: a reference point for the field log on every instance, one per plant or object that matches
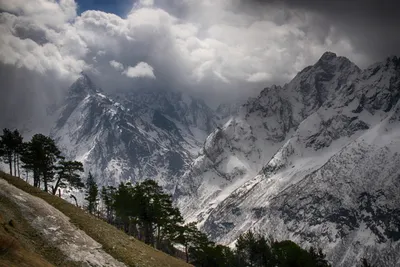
(41, 155)
(166, 218)
(126, 206)
(30, 161)
(10, 145)
(201, 252)
(91, 195)
(146, 212)
(246, 247)
(107, 196)
(156, 213)
(187, 237)
(68, 174)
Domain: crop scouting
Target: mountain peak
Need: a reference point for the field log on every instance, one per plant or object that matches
(332, 63)
(83, 86)
(393, 60)
(328, 56)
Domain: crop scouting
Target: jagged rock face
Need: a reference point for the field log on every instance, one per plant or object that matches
(238, 151)
(227, 110)
(137, 137)
(316, 162)
(193, 114)
(347, 205)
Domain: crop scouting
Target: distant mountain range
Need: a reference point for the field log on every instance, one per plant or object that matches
(132, 136)
(315, 160)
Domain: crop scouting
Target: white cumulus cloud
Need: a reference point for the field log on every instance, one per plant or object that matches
(214, 49)
(116, 65)
(259, 77)
(146, 2)
(142, 69)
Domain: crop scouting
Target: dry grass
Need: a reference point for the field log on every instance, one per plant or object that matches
(8, 244)
(12, 253)
(20, 245)
(115, 242)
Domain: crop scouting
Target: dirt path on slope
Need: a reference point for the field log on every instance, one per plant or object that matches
(57, 229)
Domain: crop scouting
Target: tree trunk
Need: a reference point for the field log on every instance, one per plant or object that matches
(126, 226)
(45, 182)
(158, 237)
(19, 174)
(46, 189)
(10, 161)
(147, 234)
(76, 201)
(56, 186)
(108, 211)
(187, 254)
(132, 228)
(36, 178)
(15, 164)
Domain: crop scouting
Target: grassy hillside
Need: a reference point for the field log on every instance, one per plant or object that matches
(115, 242)
(20, 244)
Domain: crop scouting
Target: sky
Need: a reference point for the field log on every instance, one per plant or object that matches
(118, 7)
(219, 50)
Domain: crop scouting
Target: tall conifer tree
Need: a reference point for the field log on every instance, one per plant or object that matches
(91, 195)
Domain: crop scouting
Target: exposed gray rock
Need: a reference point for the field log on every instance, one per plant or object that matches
(319, 159)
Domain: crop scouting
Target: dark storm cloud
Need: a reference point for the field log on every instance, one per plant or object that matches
(372, 26)
(23, 94)
(216, 49)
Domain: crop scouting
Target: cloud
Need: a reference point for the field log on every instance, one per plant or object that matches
(141, 70)
(259, 77)
(44, 12)
(205, 44)
(219, 50)
(36, 36)
(116, 65)
(146, 2)
(371, 26)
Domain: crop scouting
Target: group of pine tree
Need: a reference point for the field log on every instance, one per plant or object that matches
(145, 211)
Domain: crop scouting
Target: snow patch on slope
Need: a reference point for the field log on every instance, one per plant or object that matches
(58, 230)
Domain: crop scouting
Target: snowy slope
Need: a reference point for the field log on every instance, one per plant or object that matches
(131, 137)
(194, 119)
(57, 229)
(227, 110)
(239, 149)
(315, 161)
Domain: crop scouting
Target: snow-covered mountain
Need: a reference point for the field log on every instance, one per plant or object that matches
(226, 110)
(315, 161)
(131, 137)
(194, 119)
(239, 149)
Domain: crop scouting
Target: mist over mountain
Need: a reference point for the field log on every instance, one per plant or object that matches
(221, 53)
(132, 137)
